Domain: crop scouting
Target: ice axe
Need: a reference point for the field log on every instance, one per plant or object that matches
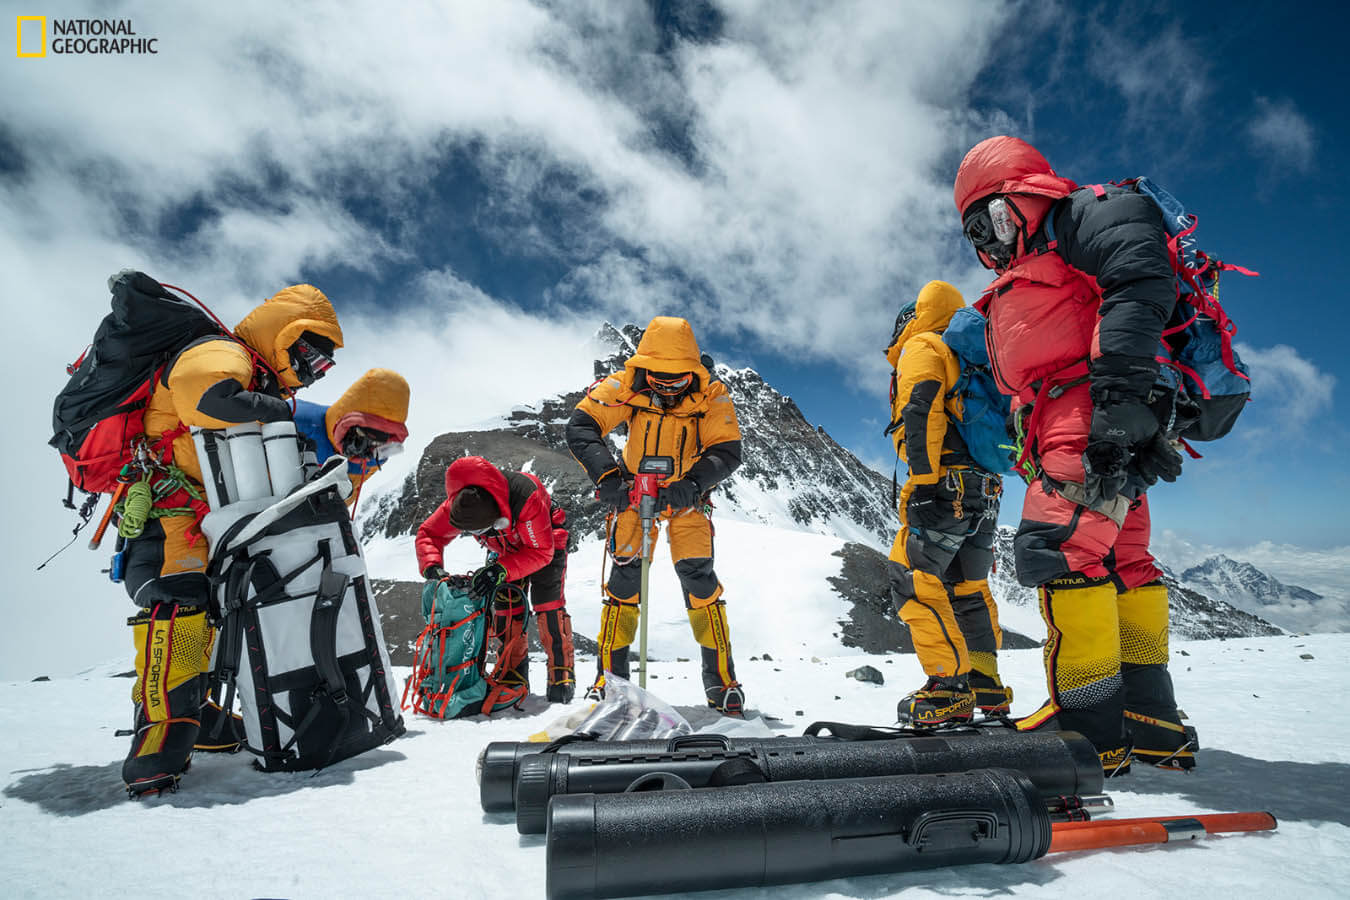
(652, 470)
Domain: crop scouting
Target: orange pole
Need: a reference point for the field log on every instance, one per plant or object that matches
(107, 517)
(1070, 836)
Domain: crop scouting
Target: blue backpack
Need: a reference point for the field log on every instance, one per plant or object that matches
(450, 677)
(983, 426)
(1197, 355)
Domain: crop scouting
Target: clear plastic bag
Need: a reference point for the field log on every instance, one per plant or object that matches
(628, 713)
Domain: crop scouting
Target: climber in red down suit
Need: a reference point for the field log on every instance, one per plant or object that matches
(513, 517)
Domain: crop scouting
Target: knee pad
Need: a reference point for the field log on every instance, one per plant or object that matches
(1143, 625)
(977, 615)
(1082, 648)
(902, 584)
(698, 582)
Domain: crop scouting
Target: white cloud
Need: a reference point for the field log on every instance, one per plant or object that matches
(1167, 73)
(1280, 131)
(1290, 390)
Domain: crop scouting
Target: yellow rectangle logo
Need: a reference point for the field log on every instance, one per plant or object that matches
(42, 34)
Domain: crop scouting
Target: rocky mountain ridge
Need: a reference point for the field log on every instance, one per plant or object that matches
(794, 476)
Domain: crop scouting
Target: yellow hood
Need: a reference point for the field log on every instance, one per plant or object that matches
(277, 323)
(380, 397)
(938, 301)
(668, 345)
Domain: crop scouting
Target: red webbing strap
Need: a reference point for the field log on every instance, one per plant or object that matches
(1063, 376)
(1201, 297)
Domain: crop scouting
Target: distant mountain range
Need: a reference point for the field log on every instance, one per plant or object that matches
(1291, 607)
(794, 476)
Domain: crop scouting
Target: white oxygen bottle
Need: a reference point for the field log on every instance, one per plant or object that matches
(213, 455)
(282, 448)
(250, 461)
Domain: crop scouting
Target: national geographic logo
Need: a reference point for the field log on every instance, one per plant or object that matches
(80, 37)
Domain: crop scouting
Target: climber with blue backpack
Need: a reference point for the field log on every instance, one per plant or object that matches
(948, 423)
(1104, 326)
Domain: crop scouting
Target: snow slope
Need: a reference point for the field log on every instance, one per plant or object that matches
(404, 820)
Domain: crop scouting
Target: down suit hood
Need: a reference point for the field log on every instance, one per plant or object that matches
(275, 325)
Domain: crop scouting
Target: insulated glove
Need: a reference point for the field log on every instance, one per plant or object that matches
(1117, 428)
(612, 490)
(433, 572)
(927, 509)
(486, 580)
(680, 494)
(1157, 459)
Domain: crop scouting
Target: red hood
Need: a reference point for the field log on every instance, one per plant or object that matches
(1007, 165)
(474, 471)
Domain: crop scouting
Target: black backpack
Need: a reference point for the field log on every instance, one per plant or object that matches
(101, 409)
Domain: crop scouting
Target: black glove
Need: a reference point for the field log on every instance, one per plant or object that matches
(486, 580)
(612, 490)
(927, 509)
(561, 692)
(1156, 459)
(433, 572)
(680, 494)
(1117, 429)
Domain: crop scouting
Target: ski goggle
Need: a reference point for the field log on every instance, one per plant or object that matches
(907, 315)
(670, 385)
(309, 361)
(363, 443)
(499, 525)
(991, 229)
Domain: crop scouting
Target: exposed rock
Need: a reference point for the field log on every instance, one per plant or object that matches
(873, 625)
(866, 673)
(400, 604)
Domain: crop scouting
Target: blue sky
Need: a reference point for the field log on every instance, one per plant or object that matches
(1247, 139)
(779, 173)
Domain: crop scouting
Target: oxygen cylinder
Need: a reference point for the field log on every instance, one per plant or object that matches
(282, 448)
(648, 842)
(213, 455)
(498, 766)
(1058, 763)
(250, 461)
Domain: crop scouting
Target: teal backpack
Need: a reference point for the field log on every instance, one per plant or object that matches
(450, 677)
(984, 426)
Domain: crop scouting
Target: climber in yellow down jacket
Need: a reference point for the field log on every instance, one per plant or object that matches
(672, 407)
(214, 382)
(940, 561)
(367, 424)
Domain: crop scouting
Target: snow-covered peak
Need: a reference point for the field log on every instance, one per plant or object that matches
(1247, 587)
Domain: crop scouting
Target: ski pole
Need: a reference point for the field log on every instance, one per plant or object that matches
(1070, 836)
(107, 516)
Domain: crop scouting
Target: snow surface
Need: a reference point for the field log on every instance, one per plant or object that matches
(404, 820)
